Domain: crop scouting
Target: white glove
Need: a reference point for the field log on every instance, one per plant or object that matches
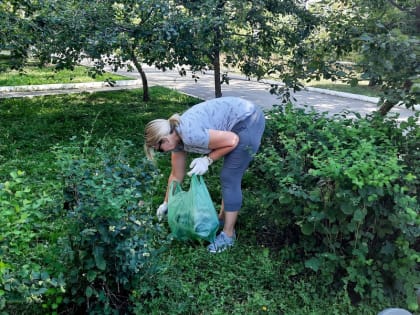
(199, 166)
(162, 210)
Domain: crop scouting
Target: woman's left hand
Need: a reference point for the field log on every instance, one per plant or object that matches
(199, 166)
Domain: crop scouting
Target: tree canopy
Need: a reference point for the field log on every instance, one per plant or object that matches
(383, 35)
(290, 40)
(257, 37)
(120, 33)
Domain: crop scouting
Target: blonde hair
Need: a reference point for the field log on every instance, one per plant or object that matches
(156, 130)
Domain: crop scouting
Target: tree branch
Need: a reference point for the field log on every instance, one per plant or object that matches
(401, 8)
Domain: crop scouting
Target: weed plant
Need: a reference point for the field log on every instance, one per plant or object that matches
(55, 187)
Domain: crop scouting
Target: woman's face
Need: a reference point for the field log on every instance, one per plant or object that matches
(168, 143)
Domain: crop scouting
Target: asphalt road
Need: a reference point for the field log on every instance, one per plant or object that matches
(258, 92)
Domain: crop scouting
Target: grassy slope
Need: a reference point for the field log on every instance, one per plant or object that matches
(32, 126)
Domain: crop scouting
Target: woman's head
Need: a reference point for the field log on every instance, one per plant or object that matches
(156, 131)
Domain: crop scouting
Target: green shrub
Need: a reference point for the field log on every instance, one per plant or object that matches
(345, 193)
(27, 234)
(111, 234)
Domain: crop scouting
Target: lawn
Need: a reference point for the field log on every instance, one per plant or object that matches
(252, 278)
(362, 88)
(33, 75)
(31, 127)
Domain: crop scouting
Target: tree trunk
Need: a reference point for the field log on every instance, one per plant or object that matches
(142, 75)
(373, 82)
(146, 96)
(216, 52)
(217, 79)
(385, 108)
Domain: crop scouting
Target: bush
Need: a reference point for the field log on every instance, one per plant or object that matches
(79, 251)
(111, 235)
(345, 193)
(27, 234)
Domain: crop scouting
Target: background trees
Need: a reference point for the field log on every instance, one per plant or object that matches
(258, 38)
(17, 30)
(384, 37)
(122, 33)
(291, 41)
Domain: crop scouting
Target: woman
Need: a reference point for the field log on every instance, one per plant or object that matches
(230, 128)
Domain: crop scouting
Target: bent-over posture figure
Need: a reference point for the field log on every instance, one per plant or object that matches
(228, 127)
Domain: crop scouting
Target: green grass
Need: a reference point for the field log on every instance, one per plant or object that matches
(33, 75)
(249, 279)
(362, 88)
(31, 127)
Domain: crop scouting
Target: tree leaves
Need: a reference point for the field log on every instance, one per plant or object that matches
(98, 253)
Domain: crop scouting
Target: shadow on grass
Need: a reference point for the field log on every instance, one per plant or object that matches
(32, 126)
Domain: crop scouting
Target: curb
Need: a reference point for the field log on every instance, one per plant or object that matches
(68, 86)
(344, 94)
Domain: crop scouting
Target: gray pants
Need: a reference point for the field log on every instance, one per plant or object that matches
(236, 162)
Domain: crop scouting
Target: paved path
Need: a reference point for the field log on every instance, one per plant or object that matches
(256, 91)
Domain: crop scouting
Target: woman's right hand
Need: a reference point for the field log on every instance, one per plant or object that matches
(177, 173)
(162, 211)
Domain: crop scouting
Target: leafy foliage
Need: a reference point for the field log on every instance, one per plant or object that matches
(345, 193)
(111, 235)
(256, 37)
(262, 283)
(35, 240)
(17, 33)
(384, 36)
(121, 34)
(27, 235)
(291, 40)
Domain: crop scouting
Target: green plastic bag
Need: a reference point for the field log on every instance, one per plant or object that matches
(191, 214)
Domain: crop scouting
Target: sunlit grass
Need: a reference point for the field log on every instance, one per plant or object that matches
(33, 75)
(32, 126)
(362, 88)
